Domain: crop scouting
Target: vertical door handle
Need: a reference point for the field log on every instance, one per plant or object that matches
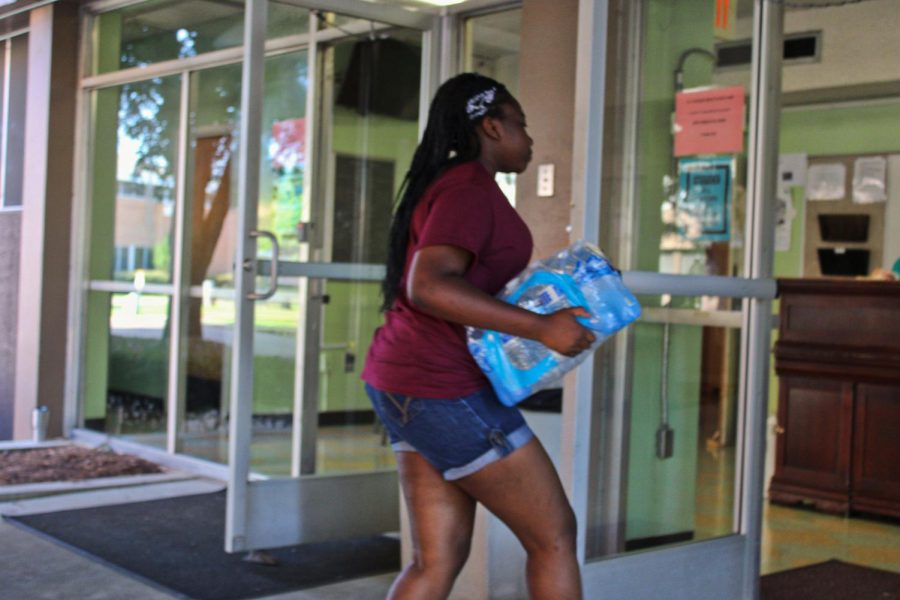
(273, 274)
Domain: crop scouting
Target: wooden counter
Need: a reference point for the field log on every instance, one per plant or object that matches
(838, 364)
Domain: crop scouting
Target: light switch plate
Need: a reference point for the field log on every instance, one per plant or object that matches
(545, 180)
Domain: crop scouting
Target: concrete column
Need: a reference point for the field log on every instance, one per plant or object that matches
(46, 216)
(10, 226)
(547, 93)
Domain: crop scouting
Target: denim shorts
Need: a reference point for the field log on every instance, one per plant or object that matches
(457, 435)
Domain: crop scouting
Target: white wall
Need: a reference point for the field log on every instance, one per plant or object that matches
(860, 45)
(892, 213)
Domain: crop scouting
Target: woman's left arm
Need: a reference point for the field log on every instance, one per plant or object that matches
(436, 285)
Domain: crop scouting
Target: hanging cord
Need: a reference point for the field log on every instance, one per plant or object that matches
(678, 74)
(812, 5)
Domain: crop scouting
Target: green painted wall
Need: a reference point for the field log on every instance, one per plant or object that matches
(854, 130)
(661, 493)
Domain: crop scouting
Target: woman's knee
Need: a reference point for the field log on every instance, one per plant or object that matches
(448, 558)
(557, 536)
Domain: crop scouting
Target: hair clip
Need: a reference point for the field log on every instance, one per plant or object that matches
(478, 105)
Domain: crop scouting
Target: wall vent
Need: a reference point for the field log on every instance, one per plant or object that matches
(798, 47)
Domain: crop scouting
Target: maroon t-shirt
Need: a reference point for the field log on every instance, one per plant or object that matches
(417, 354)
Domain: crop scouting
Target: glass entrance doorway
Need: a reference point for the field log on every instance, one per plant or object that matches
(199, 195)
(338, 108)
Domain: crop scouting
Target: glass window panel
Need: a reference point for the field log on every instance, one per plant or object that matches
(349, 438)
(371, 125)
(211, 192)
(492, 46)
(210, 306)
(666, 468)
(679, 453)
(214, 122)
(127, 364)
(4, 49)
(205, 431)
(15, 22)
(683, 195)
(286, 19)
(274, 374)
(369, 132)
(346, 437)
(132, 207)
(370, 129)
(161, 30)
(284, 197)
(14, 126)
(133, 184)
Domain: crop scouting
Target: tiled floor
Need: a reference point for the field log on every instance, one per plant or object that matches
(792, 536)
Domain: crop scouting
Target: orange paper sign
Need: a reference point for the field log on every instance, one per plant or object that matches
(726, 19)
(709, 121)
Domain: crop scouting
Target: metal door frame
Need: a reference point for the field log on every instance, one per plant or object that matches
(726, 566)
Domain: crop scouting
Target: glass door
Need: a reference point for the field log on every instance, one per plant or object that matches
(337, 125)
(672, 412)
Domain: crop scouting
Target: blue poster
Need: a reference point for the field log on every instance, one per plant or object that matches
(703, 208)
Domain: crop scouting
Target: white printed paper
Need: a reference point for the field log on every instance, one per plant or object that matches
(784, 220)
(826, 182)
(791, 171)
(869, 179)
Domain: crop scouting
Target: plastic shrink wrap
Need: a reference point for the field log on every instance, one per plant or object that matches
(580, 275)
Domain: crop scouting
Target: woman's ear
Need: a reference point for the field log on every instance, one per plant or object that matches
(491, 127)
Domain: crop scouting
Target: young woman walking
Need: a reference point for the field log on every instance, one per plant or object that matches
(455, 241)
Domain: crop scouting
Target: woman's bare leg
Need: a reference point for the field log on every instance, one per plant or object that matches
(441, 518)
(523, 490)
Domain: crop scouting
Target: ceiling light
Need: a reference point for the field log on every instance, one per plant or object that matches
(441, 2)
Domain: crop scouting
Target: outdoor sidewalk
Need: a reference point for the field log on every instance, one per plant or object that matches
(33, 567)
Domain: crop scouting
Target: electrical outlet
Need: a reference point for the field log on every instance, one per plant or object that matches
(545, 181)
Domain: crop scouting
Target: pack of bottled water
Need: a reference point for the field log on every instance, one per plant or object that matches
(580, 275)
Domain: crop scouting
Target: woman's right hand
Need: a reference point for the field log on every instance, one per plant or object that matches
(561, 331)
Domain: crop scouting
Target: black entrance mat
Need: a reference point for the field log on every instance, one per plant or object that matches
(831, 580)
(177, 545)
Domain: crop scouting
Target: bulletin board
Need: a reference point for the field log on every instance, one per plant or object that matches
(820, 214)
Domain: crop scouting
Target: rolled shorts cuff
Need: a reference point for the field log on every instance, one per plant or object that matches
(516, 440)
(402, 446)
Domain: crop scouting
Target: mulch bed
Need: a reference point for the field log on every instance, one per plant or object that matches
(68, 463)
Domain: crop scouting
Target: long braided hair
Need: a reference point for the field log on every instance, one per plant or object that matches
(450, 139)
